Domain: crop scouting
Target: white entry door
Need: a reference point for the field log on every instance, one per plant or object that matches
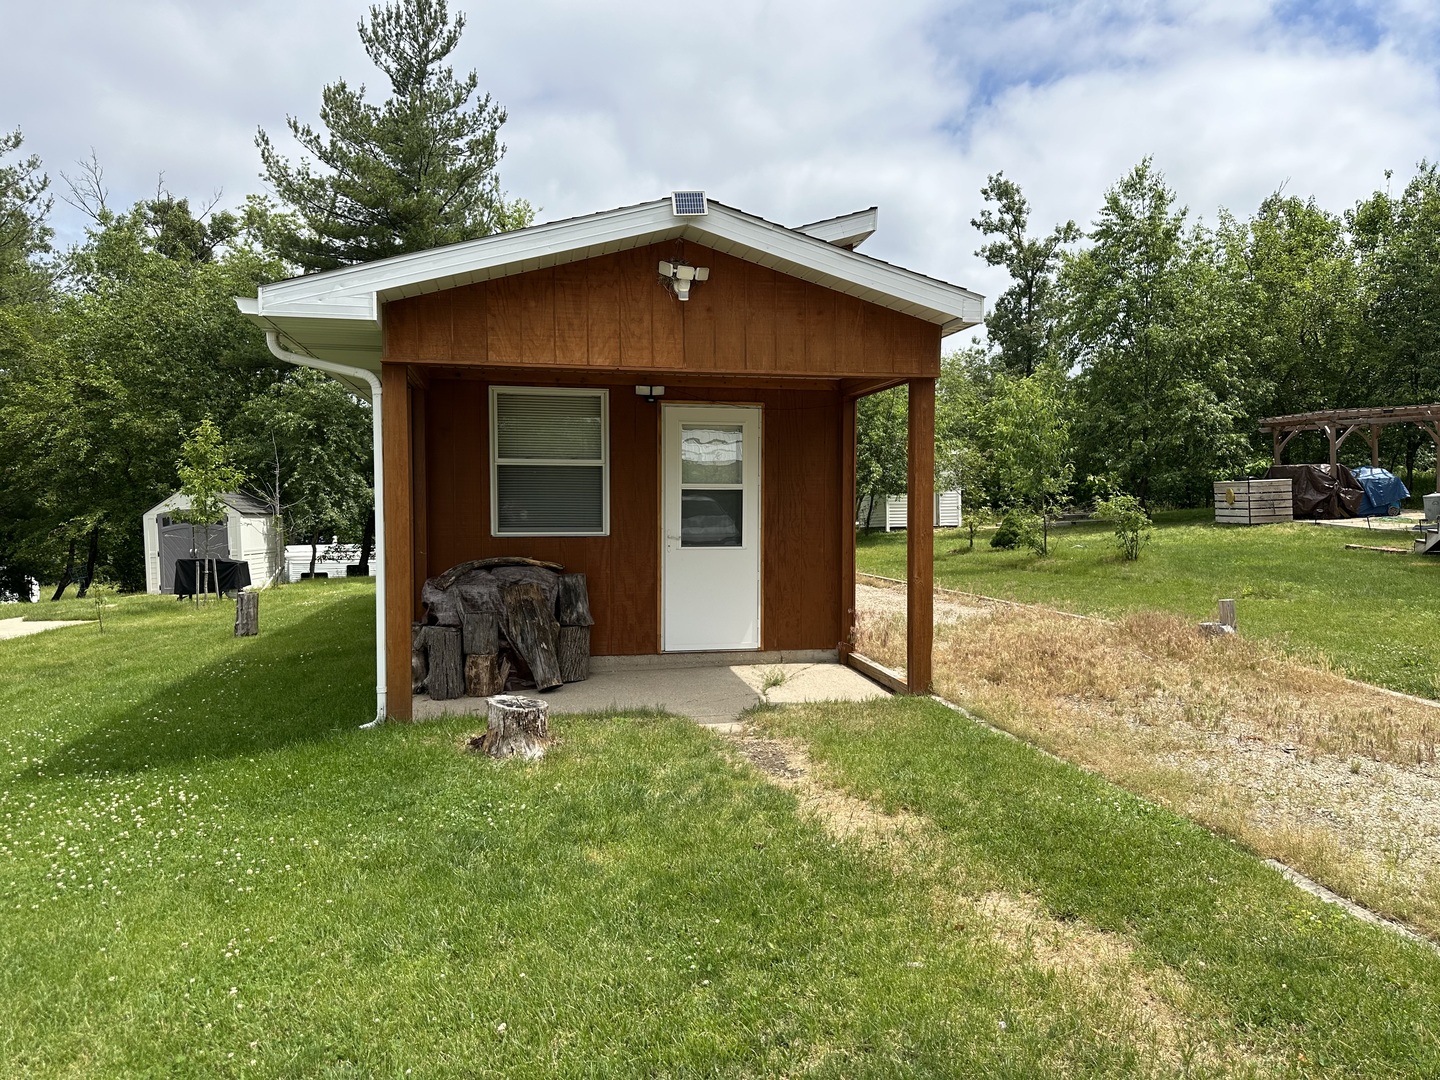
(711, 577)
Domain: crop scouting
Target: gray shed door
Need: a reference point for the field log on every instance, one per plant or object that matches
(181, 541)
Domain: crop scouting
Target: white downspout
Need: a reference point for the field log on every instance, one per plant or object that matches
(272, 339)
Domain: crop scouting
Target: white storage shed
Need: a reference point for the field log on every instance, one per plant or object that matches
(890, 512)
(249, 535)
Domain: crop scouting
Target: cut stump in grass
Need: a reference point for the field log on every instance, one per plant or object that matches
(247, 614)
(515, 725)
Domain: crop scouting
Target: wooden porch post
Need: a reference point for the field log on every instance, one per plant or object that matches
(399, 564)
(847, 525)
(920, 537)
(1334, 449)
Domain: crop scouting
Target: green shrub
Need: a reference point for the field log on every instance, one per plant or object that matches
(1007, 535)
(1132, 524)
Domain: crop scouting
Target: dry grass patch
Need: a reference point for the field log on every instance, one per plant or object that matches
(1337, 779)
(787, 763)
(1153, 1008)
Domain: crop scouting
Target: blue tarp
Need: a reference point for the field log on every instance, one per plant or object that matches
(1383, 491)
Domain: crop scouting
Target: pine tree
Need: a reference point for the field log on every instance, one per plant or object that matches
(413, 173)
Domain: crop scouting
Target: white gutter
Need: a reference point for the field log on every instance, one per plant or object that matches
(272, 339)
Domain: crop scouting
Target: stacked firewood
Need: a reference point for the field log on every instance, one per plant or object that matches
(494, 625)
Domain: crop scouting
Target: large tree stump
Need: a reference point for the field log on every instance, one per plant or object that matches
(531, 631)
(514, 725)
(247, 613)
(572, 604)
(445, 678)
(573, 645)
(485, 675)
(480, 633)
(455, 573)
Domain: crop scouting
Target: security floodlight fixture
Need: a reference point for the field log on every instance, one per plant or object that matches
(650, 393)
(679, 276)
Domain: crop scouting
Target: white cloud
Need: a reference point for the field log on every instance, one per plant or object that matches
(795, 111)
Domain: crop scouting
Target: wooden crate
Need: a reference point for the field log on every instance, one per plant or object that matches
(1253, 502)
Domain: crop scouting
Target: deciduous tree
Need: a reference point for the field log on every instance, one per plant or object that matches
(1019, 325)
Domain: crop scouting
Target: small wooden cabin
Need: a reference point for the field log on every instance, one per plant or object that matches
(660, 396)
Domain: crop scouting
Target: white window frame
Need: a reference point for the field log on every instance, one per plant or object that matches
(496, 461)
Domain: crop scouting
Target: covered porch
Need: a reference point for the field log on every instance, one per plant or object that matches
(660, 399)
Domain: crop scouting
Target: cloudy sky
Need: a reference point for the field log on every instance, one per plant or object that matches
(792, 109)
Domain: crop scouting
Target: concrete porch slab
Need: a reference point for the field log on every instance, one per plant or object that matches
(13, 628)
(713, 694)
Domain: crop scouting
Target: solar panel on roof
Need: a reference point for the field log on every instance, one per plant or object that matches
(688, 203)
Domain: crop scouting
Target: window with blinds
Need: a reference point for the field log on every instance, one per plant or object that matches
(549, 451)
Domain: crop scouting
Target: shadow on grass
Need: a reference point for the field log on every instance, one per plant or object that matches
(297, 682)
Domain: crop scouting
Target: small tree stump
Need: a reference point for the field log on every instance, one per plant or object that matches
(1227, 613)
(485, 675)
(247, 613)
(480, 633)
(531, 631)
(514, 725)
(445, 678)
(573, 645)
(572, 602)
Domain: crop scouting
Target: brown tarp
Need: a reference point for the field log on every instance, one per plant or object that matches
(1317, 493)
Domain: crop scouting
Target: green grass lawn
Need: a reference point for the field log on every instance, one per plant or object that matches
(1376, 616)
(206, 869)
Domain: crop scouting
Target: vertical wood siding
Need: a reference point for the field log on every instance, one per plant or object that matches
(611, 312)
(801, 547)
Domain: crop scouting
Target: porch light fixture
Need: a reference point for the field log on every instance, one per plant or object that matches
(650, 393)
(679, 276)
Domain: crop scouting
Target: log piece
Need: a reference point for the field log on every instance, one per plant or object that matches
(247, 613)
(573, 646)
(572, 604)
(531, 631)
(480, 634)
(449, 577)
(485, 675)
(419, 665)
(514, 725)
(446, 665)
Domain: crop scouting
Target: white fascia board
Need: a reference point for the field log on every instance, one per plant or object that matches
(314, 311)
(847, 230)
(802, 256)
(347, 291)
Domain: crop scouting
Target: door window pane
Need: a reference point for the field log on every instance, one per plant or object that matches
(712, 454)
(711, 518)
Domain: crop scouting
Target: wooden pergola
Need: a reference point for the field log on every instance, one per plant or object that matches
(1339, 424)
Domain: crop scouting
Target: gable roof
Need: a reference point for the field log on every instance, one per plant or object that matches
(336, 315)
(847, 230)
(242, 504)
